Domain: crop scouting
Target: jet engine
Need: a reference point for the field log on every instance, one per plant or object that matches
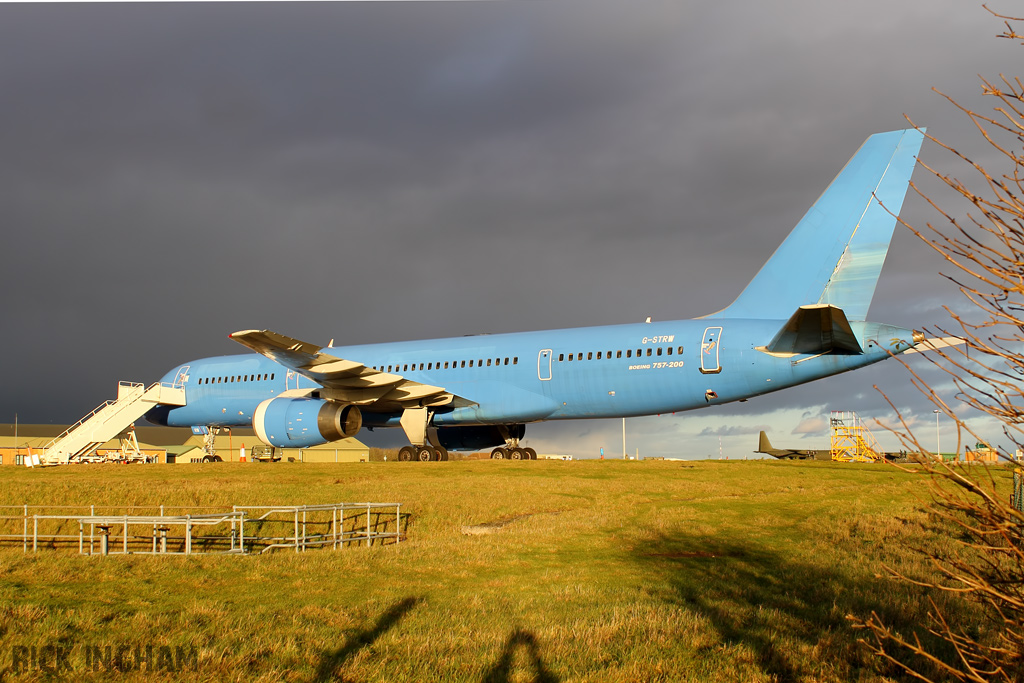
(476, 437)
(304, 422)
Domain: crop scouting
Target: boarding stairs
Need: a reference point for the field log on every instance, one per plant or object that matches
(851, 440)
(79, 441)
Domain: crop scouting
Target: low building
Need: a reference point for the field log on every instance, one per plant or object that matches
(982, 453)
(176, 445)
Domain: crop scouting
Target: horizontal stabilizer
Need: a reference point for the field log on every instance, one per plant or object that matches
(818, 328)
(935, 343)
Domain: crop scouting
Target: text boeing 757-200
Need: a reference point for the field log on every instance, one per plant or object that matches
(802, 317)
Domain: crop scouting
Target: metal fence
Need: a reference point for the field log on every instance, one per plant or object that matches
(1017, 497)
(109, 530)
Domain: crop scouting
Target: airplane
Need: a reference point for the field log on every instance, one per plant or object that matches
(765, 446)
(803, 317)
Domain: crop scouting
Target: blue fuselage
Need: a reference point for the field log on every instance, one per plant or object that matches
(598, 372)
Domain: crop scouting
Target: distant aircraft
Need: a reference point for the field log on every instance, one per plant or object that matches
(801, 318)
(765, 446)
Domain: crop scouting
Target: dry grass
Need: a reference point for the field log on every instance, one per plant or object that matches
(613, 571)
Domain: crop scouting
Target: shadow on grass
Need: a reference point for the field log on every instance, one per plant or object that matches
(330, 661)
(503, 668)
(790, 615)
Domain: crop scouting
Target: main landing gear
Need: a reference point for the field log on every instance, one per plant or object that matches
(513, 451)
(425, 453)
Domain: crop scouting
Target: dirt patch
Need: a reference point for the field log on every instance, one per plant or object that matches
(492, 527)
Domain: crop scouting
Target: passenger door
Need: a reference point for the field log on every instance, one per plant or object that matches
(544, 365)
(709, 351)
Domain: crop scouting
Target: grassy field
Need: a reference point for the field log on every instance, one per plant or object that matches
(610, 571)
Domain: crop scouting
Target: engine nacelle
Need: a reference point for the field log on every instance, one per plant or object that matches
(476, 437)
(304, 422)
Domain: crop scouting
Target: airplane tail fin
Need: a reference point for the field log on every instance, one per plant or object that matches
(835, 253)
(763, 444)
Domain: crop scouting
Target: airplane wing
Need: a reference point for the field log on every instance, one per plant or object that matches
(345, 380)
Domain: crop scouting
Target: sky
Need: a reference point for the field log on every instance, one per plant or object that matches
(382, 171)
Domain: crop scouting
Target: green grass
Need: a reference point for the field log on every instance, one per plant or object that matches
(616, 571)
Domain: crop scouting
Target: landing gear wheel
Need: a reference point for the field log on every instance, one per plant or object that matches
(518, 454)
(499, 454)
(405, 454)
(530, 452)
(442, 454)
(207, 458)
(425, 454)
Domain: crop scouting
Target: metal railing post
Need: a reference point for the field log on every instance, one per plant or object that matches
(367, 525)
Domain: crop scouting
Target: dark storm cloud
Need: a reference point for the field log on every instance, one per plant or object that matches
(380, 171)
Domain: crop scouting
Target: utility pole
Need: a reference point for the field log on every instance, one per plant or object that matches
(938, 451)
(623, 438)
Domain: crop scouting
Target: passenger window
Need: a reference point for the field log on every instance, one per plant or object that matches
(570, 357)
(446, 365)
(506, 361)
(650, 351)
(271, 375)
(639, 352)
(629, 353)
(608, 355)
(463, 363)
(515, 360)
(488, 362)
(561, 357)
(618, 354)
(670, 350)
(659, 350)
(680, 351)
(480, 363)
(590, 356)
(470, 363)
